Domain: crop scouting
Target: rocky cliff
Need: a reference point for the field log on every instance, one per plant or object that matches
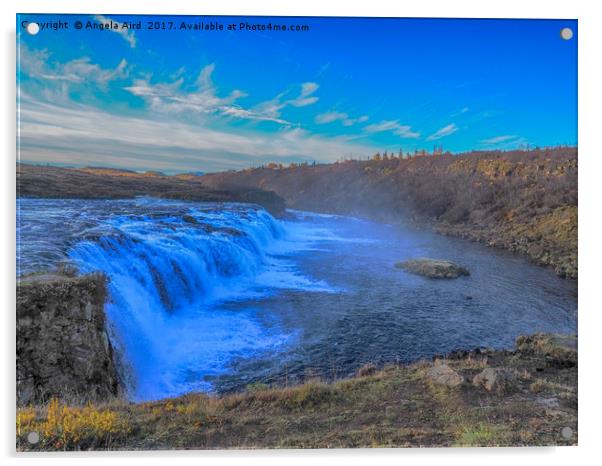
(62, 347)
(523, 201)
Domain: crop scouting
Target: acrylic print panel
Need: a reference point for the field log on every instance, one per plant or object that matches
(300, 232)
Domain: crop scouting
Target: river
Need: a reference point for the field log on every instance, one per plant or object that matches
(214, 297)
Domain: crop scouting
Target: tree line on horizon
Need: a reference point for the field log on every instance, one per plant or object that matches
(387, 155)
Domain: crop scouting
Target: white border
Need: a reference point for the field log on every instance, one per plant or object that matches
(590, 197)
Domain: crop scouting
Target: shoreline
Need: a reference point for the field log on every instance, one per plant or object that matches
(521, 201)
(51, 292)
(530, 393)
(533, 396)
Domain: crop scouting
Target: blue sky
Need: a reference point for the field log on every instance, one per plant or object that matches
(181, 100)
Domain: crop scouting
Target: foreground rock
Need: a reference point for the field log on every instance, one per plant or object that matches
(62, 346)
(442, 374)
(495, 380)
(433, 268)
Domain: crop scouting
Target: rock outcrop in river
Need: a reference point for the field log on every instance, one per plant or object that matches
(433, 268)
(62, 346)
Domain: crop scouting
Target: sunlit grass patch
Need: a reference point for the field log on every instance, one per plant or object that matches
(71, 427)
(482, 435)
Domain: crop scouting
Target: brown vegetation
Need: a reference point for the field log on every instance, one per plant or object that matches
(105, 183)
(395, 406)
(524, 201)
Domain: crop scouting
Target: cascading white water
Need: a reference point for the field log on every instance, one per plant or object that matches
(217, 296)
(168, 273)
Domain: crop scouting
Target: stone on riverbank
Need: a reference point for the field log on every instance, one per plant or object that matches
(494, 380)
(442, 374)
(433, 268)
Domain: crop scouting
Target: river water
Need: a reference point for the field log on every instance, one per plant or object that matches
(214, 297)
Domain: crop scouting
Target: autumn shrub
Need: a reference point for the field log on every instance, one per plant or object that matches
(71, 428)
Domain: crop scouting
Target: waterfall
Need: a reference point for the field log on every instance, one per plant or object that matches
(167, 275)
(214, 296)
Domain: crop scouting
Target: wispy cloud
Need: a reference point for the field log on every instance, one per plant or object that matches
(462, 111)
(127, 34)
(443, 132)
(329, 117)
(242, 113)
(203, 99)
(323, 69)
(83, 70)
(507, 141)
(171, 98)
(39, 66)
(81, 135)
(498, 139)
(272, 108)
(394, 126)
(305, 97)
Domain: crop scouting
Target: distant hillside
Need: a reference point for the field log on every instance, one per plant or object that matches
(523, 201)
(106, 183)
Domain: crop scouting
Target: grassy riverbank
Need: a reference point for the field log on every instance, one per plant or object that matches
(533, 400)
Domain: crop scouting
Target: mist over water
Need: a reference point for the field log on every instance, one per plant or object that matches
(212, 297)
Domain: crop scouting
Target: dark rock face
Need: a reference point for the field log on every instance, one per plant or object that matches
(62, 347)
(433, 268)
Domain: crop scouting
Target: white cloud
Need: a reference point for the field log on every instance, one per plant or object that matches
(394, 126)
(443, 132)
(127, 34)
(329, 117)
(305, 97)
(38, 65)
(507, 141)
(171, 98)
(272, 108)
(498, 139)
(81, 135)
(55, 129)
(82, 70)
(462, 111)
(239, 112)
(164, 97)
(32, 62)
